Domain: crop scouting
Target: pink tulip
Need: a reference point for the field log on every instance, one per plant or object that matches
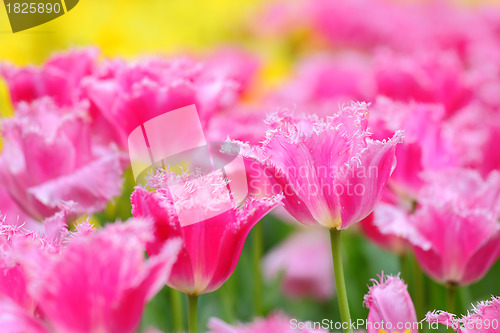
(276, 322)
(329, 170)
(323, 78)
(426, 145)
(10, 209)
(49, 161)
(125, 96)
(210, 248)
(475, 131)
(485, 318)
(388, 227)
(59, 78)
(391, 307)
(305, 260)
(458, 221)
(243, 123)
(16, 240)
(100, 282)
(437, 77)
(400, 26)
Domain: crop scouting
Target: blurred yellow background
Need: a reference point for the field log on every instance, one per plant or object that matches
(129, 27)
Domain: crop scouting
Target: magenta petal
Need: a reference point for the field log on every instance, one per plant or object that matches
(362, 183)
(15, 319)
(211, 247)
(101, 281)
(90, 187)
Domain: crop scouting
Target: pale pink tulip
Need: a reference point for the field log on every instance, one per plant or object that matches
(211, 247)
(458, 221)
(304, 260)
(49, 161)
(484, 318)
(391, 307)
(276, 322)
(330, 171)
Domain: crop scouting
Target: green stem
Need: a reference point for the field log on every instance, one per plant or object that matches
(193, 313)
(451, 300)
(418, 290)
(228, 297)
(403, 266)
(258, 246)
(175, 298)
(345, 315)
(451, 297)
(465, 297)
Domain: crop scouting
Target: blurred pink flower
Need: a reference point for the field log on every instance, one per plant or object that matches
(475, 131)
(401, 26)
(59, 78)
(386, 226)
(276, 322)
(210, 248)
(124, 96)
(483, 319)
(426, 145)
(9, 208)
(100, 282)
(330, 171)
(49, 161)
(457, 220)
(438, 77)
(337, 79)
(305, 260)
(390, 305)
(243, 123)
(16, 240)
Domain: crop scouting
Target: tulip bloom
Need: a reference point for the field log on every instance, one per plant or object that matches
(100, 282)
(426, 147)
(330, 172)
(484, 318)
(391, 307)
(458, 225)
(125, 96)
(59, 78)
(210, 248)
(50, 162)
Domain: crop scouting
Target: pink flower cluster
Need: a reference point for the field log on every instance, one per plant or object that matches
(392, 126)
(82, 281)
(438, 84)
